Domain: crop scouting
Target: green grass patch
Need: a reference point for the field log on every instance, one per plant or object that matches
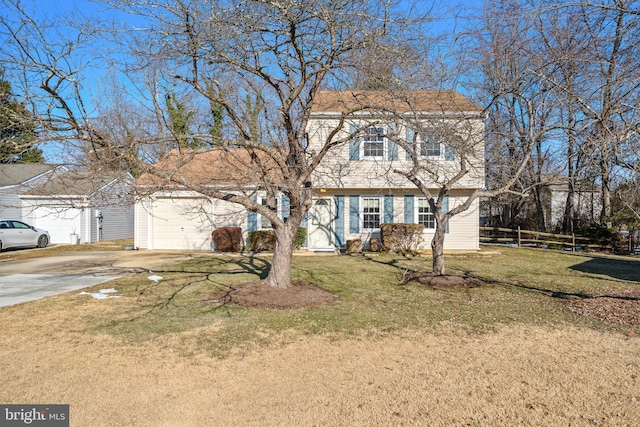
(109, 245)
(525, 286)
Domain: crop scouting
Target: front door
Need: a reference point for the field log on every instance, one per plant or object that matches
(320, 225)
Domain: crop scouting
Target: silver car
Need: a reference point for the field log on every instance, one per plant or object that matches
(17, 234)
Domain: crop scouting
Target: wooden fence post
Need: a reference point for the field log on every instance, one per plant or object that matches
(519, 237)
(573, 242)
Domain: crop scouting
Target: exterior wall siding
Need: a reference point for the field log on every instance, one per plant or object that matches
(117, 222)
(338, 171)
(463, 228)
(10, 205)
(141, 215)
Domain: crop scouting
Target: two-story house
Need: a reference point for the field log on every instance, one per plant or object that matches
(355, 188)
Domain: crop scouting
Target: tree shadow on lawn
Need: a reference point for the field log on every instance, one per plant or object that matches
(627, 270)
(250, 294)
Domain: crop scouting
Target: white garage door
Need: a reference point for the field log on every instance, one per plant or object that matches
(182, 224)
(59, 222)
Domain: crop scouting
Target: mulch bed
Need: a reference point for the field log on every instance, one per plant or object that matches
(444, 281)
(258, 295)
(623, 308)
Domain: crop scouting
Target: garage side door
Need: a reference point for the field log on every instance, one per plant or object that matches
(59, 222)
(182, 224)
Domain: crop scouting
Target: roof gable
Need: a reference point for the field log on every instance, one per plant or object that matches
(20, 173)
(72, 183)
(425, 101)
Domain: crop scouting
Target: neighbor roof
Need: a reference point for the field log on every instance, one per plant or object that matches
(18, 173)
(402, 102)
(72, 183)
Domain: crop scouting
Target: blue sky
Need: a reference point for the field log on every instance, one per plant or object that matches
(451, 14)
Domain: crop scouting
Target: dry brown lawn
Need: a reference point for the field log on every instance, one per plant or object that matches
(514, 375)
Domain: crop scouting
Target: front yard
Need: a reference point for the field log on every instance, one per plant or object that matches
(521, 349)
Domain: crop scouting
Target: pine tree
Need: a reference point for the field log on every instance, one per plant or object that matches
(18, 138)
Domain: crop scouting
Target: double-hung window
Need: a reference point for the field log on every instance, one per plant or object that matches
(425, 214)
(431, 147)
(371, 212)
(264, 222)
(373, 143)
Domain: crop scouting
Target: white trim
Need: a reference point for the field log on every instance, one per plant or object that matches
(361, 213)
(420, 143)
(259, 199)
(416, 212)
(150, 223)
(363, 142)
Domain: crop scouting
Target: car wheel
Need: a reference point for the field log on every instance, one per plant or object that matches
(43, 241)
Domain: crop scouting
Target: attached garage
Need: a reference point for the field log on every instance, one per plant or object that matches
(181, 223)
(80, 204)
(59, 221)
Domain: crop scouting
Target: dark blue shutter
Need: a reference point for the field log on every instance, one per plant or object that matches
(286, 207)
(252, 218)
(354, 214)
(392, 147)
(338, 223)
(445, 209)
(448, 152)
(410, 135)
(409, 208)
(354, 143)
(388, 209)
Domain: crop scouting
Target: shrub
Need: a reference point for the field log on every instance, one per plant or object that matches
(354, 246)
(262, 240)
(401, 237)
(265, 240)
(301, 237)
(375, 245)
(227, 239)
(600, 235)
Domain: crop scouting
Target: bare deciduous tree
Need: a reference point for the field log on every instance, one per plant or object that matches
(248, 69)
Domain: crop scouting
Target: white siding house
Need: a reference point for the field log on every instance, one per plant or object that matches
(16, 179)
(80, 207)
(355, 188)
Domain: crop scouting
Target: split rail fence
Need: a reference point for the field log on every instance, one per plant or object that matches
(518, 237)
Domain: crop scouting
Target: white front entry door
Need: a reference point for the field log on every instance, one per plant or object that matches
(320, 231)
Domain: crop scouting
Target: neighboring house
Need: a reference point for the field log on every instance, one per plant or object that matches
(17, 178)
(354, 188)
(587, 202)
(88, 206)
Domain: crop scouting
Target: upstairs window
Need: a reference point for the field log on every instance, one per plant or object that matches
(373, 143)
(431, 148)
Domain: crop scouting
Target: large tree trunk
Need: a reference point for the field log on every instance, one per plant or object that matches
(280, 273)
(437, 248)
(538, 196)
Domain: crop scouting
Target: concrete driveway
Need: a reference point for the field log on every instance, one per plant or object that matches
(31, 279)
